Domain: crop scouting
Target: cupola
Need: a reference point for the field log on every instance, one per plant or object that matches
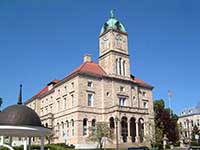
(112, 23)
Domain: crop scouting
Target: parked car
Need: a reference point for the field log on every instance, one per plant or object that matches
(138, 148)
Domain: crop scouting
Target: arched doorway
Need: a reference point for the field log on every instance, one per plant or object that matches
(132, 129)
(124, 129)
(141, 129)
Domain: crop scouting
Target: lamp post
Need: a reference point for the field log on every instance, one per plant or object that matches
(116, 122)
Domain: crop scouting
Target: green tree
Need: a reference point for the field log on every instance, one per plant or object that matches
(195, 131)
(165, 123)
(101, 130)
(1, 102)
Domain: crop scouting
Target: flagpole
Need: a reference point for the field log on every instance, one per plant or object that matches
(169, 98)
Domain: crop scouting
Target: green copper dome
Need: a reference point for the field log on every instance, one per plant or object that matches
(112, 23)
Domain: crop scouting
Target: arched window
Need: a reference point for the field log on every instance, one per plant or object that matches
(112, 123)
(93, 123)
(84, 127)
(120, 66)
(62, 123)
(58, 129)
(62, 128)
(67, 123)
(117, 66)
(124, 67)
(124, 129)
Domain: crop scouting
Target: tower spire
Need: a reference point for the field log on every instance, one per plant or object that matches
(20, 96)
(112, 13)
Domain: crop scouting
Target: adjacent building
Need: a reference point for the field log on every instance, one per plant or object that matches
(188, 118)
(103, 91)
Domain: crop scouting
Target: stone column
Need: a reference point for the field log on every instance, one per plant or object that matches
(145, 132)
(137, 138)
(129, 132)
(120, 132)
(117, 132)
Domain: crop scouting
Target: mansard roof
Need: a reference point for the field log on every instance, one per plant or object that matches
(93, 69)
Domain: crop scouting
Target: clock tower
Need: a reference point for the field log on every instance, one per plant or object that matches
(113, 48)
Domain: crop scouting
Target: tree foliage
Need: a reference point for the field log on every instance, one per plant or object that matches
(1, 102)
(165, 123)
(101, 130)
(195, 131)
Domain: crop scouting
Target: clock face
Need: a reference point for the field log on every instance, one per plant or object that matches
(119, 37)
(119, 40)
(105, 38)
(105, 43)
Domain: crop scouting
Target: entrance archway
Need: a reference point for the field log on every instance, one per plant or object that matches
(132, 129)
(124, 129)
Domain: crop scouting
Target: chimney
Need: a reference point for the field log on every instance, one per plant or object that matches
(87, 58)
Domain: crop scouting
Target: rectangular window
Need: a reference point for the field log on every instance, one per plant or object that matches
(50, 108)
(58, 91)
(72, 97)
(90, 99)
(122, 101)
(58, 103)
(46, 110)
(65, 103)
(72, 84)
(144, 94)
(145, 104)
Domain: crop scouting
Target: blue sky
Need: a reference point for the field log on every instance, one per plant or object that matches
(44, 40)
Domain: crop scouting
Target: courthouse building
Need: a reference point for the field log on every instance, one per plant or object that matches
(103, 91)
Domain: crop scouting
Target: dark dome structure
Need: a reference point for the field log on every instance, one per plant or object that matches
(21, 121)
(19, 115)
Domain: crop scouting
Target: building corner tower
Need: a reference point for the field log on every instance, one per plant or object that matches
(113, 48)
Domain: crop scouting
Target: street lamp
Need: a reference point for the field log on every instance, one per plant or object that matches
(116, 122)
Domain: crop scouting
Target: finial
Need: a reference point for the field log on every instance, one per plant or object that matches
(20, 95)
(112, 13)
